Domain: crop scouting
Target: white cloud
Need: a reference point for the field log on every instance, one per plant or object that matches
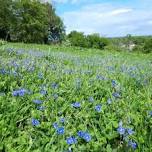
(109, 20)
(121, 11)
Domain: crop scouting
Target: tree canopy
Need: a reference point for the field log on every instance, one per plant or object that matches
(30, 21)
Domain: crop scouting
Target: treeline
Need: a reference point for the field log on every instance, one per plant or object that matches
(132, 43)
(33, 21)
(30, 21)
(87, 41)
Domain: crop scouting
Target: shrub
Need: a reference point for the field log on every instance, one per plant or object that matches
(147, 48)
(89, 41)
(78, 39)
(95, 41)
(2, 42)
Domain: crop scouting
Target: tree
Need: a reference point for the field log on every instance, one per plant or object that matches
(29, 21)
(56, 26)
(78, 39)
(6, 18)
(95, 41)
(148, 46)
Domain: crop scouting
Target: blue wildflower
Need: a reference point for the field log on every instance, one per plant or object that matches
(40, 75)
(114, 83)
(80, 134)
(71, 140)
(87, 137)
(20, 92)
(121, 130)
(60, 130)
(41, 108)
(116, 95)
(98, 108)
(62, 120)
(91, 99)
(76, 105)
(84, 135)
(3, 71)
(54, 85)
(35, 122)
(43, 92)
(99, 77)
(130, 131)
(55, 125)
(37, 101)
(132, 144)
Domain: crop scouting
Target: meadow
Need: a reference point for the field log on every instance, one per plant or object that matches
(57, 98)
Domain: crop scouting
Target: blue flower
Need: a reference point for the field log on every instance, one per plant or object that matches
(41, 108)
(43, 92)
(100, 77)
(62, 120)
(60, 130)
(54, 85)
(71, 140)
(121, 130)
(35, 122)
(84, 135)
(76, 105)
(37, 101)
(80, 134)
(114, 83)
(20, 92)
(116, 95)
(3, 71)
(98, 108)
(132, 144)
(55, 125)
(87, 137)
(40, 75)
(130, 131)
(91, 99)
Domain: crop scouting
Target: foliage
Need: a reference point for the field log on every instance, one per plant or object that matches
(54, 98)
(30, 21)
(2, 42)
(89, 41)
(147, 48)
(95, 41)
(78, 39)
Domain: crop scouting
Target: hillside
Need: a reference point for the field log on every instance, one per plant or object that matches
(70, 99)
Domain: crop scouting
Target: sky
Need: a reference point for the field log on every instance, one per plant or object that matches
(110, 18)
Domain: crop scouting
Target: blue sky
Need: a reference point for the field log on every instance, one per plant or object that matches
(108, 17)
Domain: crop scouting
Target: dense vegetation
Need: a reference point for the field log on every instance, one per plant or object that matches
(141, 44)
(67, 99)
(33, 21)
(87, 41)
(29, 21)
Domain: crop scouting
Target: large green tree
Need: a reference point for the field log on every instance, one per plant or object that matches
(30, 21)
(6, 18)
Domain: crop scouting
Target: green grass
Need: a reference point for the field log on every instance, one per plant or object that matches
(60, 76)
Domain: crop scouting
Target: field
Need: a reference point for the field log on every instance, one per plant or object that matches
(60, 99)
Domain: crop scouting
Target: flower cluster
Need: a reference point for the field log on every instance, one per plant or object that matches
(20, 92)
(84, 135)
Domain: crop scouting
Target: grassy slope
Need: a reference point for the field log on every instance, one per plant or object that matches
(80, 74)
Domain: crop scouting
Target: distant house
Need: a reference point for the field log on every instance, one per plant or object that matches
(129, 47)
